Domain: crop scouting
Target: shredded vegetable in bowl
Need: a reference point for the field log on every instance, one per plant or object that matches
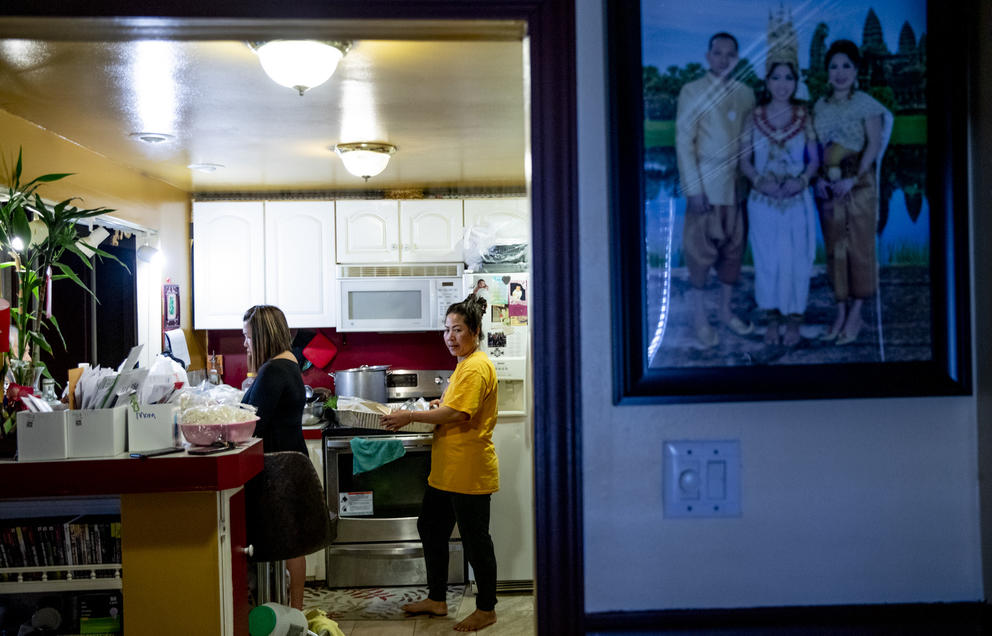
(219, 414)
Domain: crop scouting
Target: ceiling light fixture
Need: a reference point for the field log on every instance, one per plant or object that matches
(151, 137)
(365, 158)
(205, 167)
(300, 64)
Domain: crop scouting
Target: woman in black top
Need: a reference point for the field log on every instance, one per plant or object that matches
(278, 397)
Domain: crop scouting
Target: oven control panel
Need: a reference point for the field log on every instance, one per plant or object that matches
(407, 384)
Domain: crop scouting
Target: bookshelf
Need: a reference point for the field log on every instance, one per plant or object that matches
(182, 535)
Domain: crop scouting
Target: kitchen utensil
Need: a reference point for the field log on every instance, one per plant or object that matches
(368, 382)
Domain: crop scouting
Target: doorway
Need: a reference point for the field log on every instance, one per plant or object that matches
(551, 47)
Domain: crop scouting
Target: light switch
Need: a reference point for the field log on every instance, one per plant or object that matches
(716, 479)
(702, 478)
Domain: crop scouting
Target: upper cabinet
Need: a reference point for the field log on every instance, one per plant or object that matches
(299, 261)
(505, 218)
(228, 262)
(252, 252)
(418, 231)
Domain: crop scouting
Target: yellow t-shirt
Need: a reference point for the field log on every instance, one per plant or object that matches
(463, 458)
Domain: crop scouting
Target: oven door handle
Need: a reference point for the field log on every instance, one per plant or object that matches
(388, 551)
(344, 444)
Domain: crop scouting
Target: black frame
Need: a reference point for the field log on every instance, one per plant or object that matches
(947, 373)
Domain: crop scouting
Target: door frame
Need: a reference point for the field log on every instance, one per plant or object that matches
(550, 33)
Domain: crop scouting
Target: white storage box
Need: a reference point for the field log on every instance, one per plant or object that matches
(152, 426)
(42, 435)
(97, 432)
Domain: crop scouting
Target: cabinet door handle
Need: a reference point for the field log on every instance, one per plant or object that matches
(249, 550)
(393, 246)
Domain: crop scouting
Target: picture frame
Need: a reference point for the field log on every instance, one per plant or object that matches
(914, 338)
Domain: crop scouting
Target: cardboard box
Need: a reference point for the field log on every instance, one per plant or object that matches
(42, 435)
(97, 432)
(153, 426)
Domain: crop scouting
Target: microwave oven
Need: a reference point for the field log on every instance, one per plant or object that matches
(381, 298)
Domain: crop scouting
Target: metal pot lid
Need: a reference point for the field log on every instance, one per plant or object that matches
(365, 367)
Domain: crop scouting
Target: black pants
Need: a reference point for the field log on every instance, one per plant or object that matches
(440, 512)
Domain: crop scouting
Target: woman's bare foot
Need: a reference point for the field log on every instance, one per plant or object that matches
(791, 337)
(771, 333)
(427, 606)
(838, 323)
(476, 621)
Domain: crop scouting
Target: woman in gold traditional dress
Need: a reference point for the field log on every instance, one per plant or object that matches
(852, 129)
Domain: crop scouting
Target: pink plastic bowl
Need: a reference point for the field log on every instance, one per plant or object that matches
(207, 434)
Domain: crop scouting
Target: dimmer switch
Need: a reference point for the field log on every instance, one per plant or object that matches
(702, 478)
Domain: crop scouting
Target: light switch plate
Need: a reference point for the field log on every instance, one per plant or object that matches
(702, 478)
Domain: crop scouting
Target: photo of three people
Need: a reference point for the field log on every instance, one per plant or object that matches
(786, 216)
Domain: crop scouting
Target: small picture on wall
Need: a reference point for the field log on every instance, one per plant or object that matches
(518, 302)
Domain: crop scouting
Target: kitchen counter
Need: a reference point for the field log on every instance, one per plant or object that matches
(184, 567)
(122, 474)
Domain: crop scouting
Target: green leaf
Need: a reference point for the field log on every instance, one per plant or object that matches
(58, 330)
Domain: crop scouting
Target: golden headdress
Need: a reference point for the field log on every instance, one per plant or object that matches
(783, 44)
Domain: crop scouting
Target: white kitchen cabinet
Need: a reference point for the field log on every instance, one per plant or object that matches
(228, 262)
(274, 252)
(431, 231)
(420, 231)
(505, 218)
(299, 261)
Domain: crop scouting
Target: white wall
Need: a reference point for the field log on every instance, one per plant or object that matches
(844, 501)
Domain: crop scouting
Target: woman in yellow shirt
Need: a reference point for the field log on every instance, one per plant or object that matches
(464, 469)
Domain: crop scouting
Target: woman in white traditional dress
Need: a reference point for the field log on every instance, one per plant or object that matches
(853, 130)
(778, 157)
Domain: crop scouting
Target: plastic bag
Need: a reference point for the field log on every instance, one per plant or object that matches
(212, 404)
(495, 243)
(165, 377)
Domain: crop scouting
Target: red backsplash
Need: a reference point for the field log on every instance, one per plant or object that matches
(422, 350)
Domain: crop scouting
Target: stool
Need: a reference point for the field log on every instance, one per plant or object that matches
(286, 516)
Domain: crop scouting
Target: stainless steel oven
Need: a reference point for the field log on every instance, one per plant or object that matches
(377, 542)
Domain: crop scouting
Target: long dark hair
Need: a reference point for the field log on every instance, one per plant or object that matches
(472, 309)
(269, 334)
(848, 48)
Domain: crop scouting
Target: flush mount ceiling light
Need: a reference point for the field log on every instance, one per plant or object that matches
(151, 137)
(205, 167)
(365, 158)
(300, 64)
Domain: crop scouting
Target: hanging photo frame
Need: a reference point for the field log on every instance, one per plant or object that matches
(736, 272)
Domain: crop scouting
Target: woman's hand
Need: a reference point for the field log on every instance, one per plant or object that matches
(822, 188)
(768, 187)
(397, 419)
(842, 187)
(792, 186)
(435, 403)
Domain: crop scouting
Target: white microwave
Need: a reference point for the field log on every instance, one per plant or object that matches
(380, 298)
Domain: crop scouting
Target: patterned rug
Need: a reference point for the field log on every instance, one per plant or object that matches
(373, 603)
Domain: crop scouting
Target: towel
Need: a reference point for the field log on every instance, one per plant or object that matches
(369, 454)
(318, 623)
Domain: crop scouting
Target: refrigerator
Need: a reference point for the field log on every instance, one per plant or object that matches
(506, 340)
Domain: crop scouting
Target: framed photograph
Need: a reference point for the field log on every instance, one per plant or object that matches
(789, 200)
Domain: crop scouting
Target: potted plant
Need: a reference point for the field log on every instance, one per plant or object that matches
(34, 237)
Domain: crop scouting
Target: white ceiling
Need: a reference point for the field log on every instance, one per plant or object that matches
(455, 109)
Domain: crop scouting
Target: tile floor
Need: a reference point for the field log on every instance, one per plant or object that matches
(514, 614)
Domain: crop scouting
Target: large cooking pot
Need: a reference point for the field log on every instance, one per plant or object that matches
(366, 382)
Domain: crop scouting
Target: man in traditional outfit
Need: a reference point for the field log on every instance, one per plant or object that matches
(711, 114)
